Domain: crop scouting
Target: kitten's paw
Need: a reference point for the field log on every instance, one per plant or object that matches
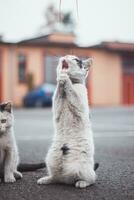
(81, 184)
(17, 175)
(9, 179)
(45, 180)
(63, 78)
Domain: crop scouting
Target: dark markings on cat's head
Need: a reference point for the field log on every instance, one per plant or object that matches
(65, 149)
(79, 62)
(6, 107)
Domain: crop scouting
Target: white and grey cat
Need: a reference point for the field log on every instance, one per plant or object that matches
(9, 157)
(70, 159)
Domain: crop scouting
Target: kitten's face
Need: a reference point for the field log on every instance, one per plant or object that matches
(6, 117)
(75, 68)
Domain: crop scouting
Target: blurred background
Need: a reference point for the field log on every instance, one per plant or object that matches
(35, 33)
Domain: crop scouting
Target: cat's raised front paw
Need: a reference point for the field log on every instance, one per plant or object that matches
(63, 78)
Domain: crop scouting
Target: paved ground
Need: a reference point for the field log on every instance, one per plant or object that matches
(114, 141)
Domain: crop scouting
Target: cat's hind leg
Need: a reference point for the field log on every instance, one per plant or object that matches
(84, 183)
(86, 178)
(81, 184)
(45, 180)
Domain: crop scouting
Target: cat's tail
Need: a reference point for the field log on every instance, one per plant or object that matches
(25, 167)
(96, 165)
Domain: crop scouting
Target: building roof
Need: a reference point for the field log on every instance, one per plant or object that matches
(67, 40)
(6, 43)
(55, 39)
(115, 46)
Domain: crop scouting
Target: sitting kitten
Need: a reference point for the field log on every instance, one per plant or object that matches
(9, 158)
(8, 149)
(70, 159)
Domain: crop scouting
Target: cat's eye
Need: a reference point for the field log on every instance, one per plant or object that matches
(3, 121)
(79, 62)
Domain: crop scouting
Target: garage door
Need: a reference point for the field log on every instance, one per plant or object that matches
(128, 79)
(128, 87)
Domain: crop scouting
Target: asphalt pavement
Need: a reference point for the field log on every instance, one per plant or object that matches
(114, 150)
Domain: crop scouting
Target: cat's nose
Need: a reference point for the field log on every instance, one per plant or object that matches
(64, 64)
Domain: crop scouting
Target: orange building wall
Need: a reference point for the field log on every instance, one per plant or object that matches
(13, 90)
(104, 83)
(106, 78)
(6, 74)
(34, 66)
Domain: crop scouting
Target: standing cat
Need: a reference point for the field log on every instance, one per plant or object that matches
(8, 149)
(70, 159)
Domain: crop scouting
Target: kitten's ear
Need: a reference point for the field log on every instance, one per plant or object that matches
(88, 62)
(6, 107)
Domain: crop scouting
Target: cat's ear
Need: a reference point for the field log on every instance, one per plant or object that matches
(6, 107)
(87, 63)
